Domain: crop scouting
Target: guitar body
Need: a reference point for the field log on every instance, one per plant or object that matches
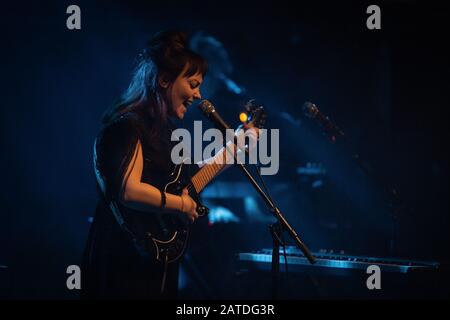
(168, 235)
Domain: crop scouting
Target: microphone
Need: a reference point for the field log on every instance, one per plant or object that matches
(210, 112)
(311, 111)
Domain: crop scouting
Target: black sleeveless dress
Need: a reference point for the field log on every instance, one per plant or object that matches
(113, 267)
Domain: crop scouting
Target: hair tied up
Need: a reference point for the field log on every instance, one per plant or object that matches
(163, 43)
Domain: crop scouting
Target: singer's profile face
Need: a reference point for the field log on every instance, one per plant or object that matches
(182, 92)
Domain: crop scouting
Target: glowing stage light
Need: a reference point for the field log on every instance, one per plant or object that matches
(243, 117)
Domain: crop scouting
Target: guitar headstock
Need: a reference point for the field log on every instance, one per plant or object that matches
(253, 115)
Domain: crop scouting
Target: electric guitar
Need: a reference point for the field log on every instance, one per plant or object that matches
(167, 239)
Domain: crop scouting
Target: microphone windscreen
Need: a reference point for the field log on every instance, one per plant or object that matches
(309, 109)
(206, 107)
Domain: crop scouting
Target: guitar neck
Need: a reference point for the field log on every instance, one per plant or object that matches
(210, 170)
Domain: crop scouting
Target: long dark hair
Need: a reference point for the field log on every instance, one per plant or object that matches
(166, 55)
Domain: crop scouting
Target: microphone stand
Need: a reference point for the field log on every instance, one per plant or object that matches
(282, 224)
(276, 229)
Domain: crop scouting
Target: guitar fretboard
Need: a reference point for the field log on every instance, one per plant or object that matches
(210, 170)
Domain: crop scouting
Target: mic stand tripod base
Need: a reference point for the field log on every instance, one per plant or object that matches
(275, 230)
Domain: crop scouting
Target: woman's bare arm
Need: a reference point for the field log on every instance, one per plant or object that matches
(146, 197)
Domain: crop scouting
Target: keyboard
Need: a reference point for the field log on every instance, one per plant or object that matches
(262, 259)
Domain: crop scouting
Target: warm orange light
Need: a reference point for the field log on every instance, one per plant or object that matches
(243, 117)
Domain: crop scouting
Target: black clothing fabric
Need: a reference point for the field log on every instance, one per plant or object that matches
(113, 267)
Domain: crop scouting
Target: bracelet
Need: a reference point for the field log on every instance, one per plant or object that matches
(163, 199)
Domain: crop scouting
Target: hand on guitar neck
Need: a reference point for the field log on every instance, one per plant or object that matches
(220, 158)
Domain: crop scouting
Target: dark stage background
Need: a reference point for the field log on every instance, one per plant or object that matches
(387, 89)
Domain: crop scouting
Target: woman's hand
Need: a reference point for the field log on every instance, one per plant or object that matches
(251, 127)
(252, 133)
(189, 206)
